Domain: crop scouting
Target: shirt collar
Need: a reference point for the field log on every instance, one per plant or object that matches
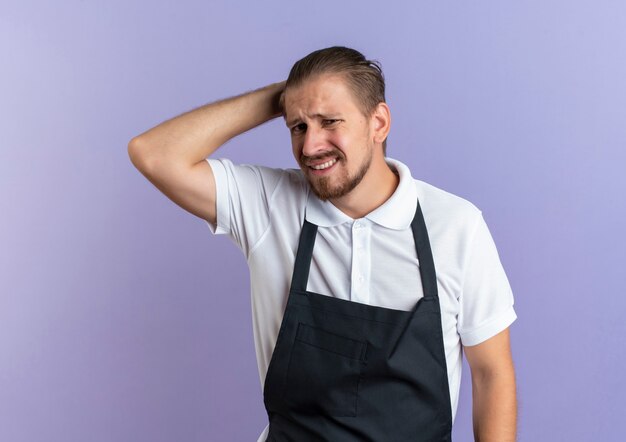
(396, 213)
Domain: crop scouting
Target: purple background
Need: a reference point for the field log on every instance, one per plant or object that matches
(121, 317)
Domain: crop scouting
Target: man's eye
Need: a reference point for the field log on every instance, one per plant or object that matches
(329, 122)
(298, 128)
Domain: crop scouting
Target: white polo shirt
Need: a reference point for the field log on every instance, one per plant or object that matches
(371, 260)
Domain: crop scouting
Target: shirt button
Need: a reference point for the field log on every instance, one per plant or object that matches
(361, 279)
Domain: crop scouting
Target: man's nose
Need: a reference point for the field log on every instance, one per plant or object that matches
(314, 142)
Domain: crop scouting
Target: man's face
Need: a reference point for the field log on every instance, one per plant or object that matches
(330, 136)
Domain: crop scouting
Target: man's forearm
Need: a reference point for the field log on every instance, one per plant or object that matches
(193, 136)
(495, 408)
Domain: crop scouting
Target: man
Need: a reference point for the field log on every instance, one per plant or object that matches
(367, 284)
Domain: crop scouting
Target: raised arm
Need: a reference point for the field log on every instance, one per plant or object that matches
(172, 155)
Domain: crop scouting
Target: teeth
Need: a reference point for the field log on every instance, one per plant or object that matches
(326, 165)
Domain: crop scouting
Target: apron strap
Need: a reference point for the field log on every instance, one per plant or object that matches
(303, 257)
(424, 254)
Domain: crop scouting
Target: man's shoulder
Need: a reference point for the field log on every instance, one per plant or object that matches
(437, 195)
(265, 173)
(445, 206)
(430, 196)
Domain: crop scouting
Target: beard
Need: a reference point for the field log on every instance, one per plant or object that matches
(324, 188)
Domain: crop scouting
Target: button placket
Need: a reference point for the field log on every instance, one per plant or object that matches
(361, 259)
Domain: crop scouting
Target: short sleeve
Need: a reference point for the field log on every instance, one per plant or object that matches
(486, 300)
(243, 198)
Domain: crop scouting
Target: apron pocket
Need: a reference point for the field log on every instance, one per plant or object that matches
(324, 372)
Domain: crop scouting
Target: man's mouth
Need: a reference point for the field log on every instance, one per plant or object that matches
(324, 165)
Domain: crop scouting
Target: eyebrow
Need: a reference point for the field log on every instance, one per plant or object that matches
(320, 116)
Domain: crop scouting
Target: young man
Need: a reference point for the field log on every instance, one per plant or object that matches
(367, 284)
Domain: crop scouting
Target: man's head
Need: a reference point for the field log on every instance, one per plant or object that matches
(364, 77)
(334, 107)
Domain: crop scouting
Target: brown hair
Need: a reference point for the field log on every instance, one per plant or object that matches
(364, 77)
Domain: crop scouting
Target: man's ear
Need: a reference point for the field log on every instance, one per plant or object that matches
(381, 122)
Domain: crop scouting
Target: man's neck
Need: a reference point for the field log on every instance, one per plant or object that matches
(377, 186)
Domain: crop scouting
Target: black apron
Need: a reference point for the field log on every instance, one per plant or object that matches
(347, 371)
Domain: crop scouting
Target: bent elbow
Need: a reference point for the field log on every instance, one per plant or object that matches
(136, 153)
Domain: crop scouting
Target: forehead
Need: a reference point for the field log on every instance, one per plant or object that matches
(322, 94)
